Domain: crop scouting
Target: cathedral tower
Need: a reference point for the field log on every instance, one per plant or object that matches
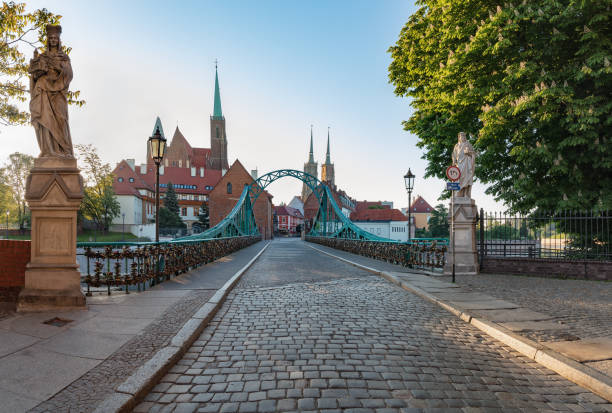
(218, 138)
(310, 168)
(327, 169)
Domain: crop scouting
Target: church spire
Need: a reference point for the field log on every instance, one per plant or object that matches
(327, 157)
(311, 153)
(217, 113)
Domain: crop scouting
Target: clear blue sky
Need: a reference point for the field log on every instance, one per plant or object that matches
(283, 65)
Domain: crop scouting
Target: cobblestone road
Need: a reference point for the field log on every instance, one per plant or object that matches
(349, 341)
(584, 306)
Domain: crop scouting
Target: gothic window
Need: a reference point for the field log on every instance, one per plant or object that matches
(229, 187)
(217, 129)
(180, 163)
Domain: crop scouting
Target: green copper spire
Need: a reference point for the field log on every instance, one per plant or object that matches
(158, 125)
(311, 154)
(327, 157)
(217, 113)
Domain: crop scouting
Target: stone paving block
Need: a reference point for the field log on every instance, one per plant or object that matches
(360, 343)
(594, 349)
(512, 315)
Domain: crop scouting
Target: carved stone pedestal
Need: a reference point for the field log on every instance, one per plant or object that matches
(52, 279)
(466, 255)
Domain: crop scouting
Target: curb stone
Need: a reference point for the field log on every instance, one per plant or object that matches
(580, 374)
(134, 388)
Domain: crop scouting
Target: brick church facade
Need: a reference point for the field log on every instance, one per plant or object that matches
(193, 171)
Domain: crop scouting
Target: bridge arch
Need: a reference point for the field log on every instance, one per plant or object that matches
(329, 221)
(261, 183)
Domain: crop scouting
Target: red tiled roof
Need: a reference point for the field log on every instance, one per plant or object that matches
(178, 177)
(378, 215)
(367, 204)
(121, 182)
(420, 205)
(287, 210)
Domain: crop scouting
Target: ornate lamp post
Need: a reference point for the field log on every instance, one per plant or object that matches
(409, 182)
(157, 144)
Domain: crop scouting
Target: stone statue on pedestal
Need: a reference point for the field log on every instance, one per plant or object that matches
(54, 188)
(464, 212)
(464, 158)
(51, 74)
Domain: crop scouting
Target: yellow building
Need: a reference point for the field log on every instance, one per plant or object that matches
(421, 212)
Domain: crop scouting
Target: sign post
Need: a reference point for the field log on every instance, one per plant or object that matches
(453, 173)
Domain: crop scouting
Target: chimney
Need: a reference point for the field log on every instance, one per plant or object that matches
(254, 173)
(143, 168)
(131, 163)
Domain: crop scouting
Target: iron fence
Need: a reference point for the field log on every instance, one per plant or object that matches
(125, 264)
(566, 235)
(424, 253)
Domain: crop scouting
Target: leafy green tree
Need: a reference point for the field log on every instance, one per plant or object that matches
(530, 82)
(204, 216)
(502, 231)
(170, 199)
(14, 175)
(99, 202)
(438, 222)
(168, 219)
(21, 30)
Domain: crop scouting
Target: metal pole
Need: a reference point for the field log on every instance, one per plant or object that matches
(157, 204)
(123, 228)
(409, 215)
(453, 230)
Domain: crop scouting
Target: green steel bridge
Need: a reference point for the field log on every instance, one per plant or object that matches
(328, 222)
(131, 265)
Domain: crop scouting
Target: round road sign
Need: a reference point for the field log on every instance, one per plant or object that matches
(453, 173)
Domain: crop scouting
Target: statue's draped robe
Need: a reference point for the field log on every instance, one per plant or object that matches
(49, 107)
(463, 158)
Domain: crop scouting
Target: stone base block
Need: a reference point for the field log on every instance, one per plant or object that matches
(33, 300)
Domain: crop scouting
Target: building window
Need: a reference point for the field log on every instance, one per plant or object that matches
(120, 179)
(180, 163)
(217, 130)
(229, 187)
(131, 179)
(184, 212)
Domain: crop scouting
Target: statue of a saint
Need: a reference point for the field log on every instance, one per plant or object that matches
(464, 158)
(50, 75)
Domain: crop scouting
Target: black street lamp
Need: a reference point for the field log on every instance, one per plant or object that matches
(409, 182)
(157, 144)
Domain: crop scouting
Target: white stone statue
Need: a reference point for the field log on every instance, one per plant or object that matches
(464, 158)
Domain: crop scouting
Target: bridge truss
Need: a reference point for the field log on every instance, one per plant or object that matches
(329, 220)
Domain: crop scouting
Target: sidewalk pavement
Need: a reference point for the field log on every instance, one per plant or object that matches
(74, 363)
(564, 308)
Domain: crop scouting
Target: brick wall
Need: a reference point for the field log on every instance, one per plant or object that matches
(586, 270)
(14, 255)
(220, 203)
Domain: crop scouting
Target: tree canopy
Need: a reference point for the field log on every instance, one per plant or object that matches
(530, 82)
(21, 32)
(13, 176)
(99, 202)
(170, 199)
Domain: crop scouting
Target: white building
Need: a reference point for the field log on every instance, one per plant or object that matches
(386, 223)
